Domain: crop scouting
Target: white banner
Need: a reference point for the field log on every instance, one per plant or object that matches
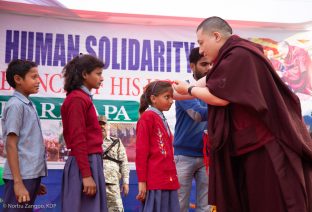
(133, 55)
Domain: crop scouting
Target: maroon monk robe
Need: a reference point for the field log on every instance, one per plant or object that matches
(243, 76)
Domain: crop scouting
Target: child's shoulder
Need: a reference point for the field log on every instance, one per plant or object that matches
(148, 115)
(13, 109)
(77, 95)
(76, 92)
(14, 102)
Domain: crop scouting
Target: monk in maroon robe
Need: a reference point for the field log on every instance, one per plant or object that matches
(261, 154)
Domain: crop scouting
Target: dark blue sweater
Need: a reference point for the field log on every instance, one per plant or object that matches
(191, 121)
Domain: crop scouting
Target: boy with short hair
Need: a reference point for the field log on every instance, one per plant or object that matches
(115, 163)
(22, 136)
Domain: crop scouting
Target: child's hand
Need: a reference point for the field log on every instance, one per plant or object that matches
(42, 190)
(21, 192)
(125, 189)
(89, 186)
(142, 191)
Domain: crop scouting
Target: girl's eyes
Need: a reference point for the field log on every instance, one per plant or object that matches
(35, 76)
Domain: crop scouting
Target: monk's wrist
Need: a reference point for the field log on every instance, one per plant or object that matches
(189, 90)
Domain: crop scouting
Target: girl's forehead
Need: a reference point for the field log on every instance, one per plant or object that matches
(169, 91)
(33, 70)
(96, 70)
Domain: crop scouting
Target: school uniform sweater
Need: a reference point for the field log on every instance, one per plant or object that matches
(154, 153)
(81, 129)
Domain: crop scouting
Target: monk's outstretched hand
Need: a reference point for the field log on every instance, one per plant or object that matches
(180, 87)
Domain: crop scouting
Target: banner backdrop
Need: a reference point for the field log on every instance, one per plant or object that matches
(134, 55)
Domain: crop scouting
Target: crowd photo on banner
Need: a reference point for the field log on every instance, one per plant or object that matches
(153, 119)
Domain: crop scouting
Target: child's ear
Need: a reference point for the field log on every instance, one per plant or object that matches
(153, 99)
(84, 75)
(17, 79)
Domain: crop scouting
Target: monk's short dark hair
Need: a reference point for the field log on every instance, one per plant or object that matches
(18, 67)
(215, 23)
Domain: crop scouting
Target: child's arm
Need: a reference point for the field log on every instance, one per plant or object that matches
(20, 191)
(77, 114)
(142, 154)
(42, 190)
(142, 191)
(89, 186)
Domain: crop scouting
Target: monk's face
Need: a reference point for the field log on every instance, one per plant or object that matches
(209, 44)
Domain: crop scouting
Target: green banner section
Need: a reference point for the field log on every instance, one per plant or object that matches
(115, 110)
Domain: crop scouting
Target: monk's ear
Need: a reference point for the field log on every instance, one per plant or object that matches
(217, 36)
(192, 65)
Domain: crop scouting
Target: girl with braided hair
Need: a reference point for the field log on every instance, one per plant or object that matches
(155, 166)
